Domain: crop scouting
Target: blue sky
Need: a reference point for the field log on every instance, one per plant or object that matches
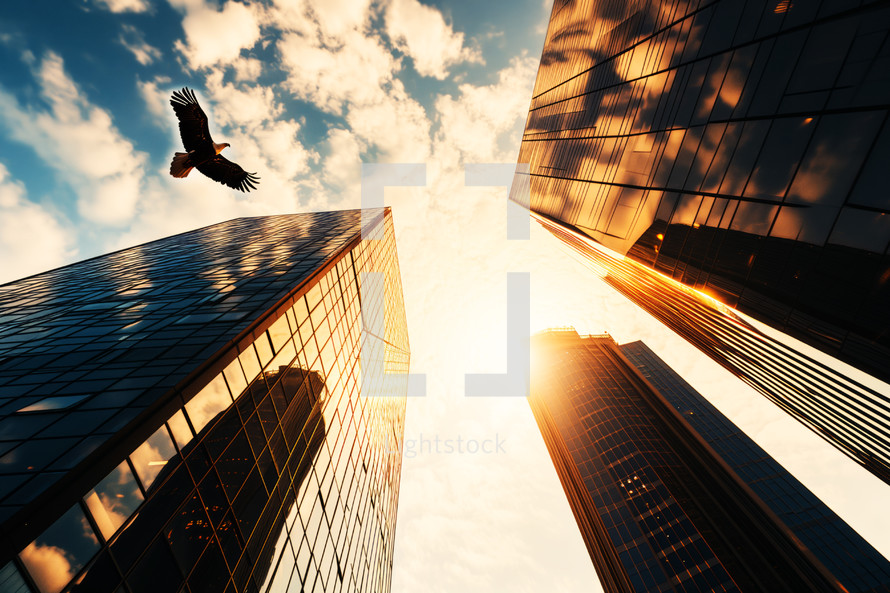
(320, 80)
(305, 91)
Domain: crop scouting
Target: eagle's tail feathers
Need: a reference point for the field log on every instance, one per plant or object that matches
(179, 167)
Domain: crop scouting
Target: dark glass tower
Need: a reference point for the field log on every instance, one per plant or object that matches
(846, 555)
(671, 496)
(738, 148)
(851, 416)
(216, 411)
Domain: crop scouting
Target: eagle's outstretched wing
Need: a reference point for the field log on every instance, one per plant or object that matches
(192, 121)
(228, 173)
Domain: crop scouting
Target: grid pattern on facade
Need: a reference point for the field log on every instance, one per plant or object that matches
(677, 518)
(843, 551)
(739, 147)
(278, 468)
(621, 459)
(87, 348)
(849, 415)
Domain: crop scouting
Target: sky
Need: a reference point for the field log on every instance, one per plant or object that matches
(305, 91)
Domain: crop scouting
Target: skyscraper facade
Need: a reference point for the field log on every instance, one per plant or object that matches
(199, 413)
(851, 416)
(668, 494)
(737, 148)
(843, 551)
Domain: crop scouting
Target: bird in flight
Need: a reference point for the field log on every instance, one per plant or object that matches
(203, 153)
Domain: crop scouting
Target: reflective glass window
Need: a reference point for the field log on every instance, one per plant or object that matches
(180, 429)
(284, 357)
(209, 402)
(53, 403)
(862, 229)
(284, 572)
(279, 332)
(250, 363)
(753, 217)
(188, 532)
(152, 455)
(58, 554)
(11, 581)
(871, 186)
(779, 156)
(264, 349)
(235, 378)
(834, 158)
(300, 311)
(114, 499)
(211, 573)
(156, 571)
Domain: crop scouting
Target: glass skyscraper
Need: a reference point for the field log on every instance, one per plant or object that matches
(738, 149)
(220, 410)
(851, 416)
(669, 494)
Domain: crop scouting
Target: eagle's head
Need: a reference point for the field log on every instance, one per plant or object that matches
(218, 147)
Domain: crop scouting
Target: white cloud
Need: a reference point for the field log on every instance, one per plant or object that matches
(395, 123)
(342, 168)
(421, 32)
(338, 17)
(48, 565)
(292, 16)
(253, 115)
(80, 141)
(473, 123)
(330, 20)
(133, 39)
(356, 71)
(356, 77)
(124, 5)
(32, 239)
(157, 100)
(240, 105)
(214, 37)
(247, 69)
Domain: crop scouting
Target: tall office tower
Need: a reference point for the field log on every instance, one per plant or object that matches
(739, 149)
(671, 496)
(216, 411)
(843, 551)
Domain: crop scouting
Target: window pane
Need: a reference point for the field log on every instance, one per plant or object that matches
(11, 580)
(53, 403)
(114, 499)
(180, 429)
(235, 378)
(58, 554)
(264, 349)
(211, 400)
(250, 364)
(279, 332)
(152, 455)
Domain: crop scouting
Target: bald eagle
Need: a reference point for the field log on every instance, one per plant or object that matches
(203, 153)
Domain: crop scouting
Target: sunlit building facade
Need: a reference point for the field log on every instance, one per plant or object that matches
(849, 415)
(671, 496)
(739, 149)
(840, 549)
(220, 410)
